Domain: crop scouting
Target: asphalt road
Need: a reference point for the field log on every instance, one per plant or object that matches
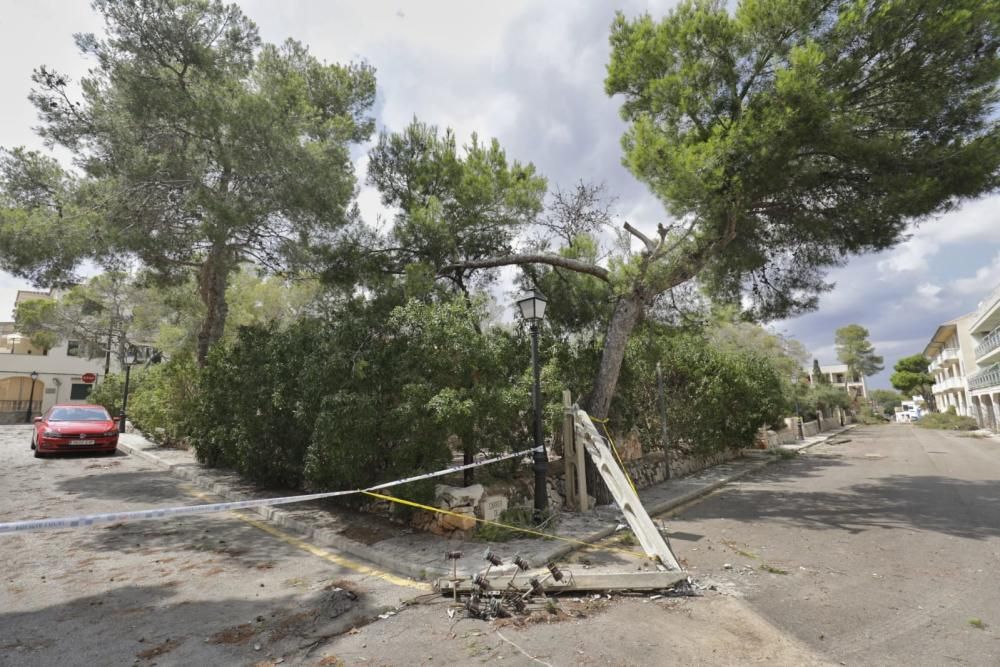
(880, 548)
(883, 549)
(199, 590)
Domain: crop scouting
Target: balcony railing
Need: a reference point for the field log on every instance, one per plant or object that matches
(989, 377)
(988, 344)
(947, 384)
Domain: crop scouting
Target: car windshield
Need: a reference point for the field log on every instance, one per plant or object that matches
(79, 415)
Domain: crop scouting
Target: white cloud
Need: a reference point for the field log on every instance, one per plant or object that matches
(976, 220)
(985, 279)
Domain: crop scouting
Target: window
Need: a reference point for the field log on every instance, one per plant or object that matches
(73, 348)
(79, 392)
(84, 413)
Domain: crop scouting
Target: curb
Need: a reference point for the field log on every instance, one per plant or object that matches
(665, 506)
(329, 538)
(322, 537)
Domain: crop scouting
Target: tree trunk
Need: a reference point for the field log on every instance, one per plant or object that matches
(627, 314)
(212, 281)
(628, 311)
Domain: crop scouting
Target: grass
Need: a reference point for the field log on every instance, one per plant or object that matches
(772, 569)
(745, 554)
(517, 517)
(977, 623)
(947, 422)
(627, 539)
(787, 454)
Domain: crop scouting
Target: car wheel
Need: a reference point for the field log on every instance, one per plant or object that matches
(113, 452)
(38, 454)
(32, 442)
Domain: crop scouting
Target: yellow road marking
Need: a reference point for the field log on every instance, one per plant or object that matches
(322, 553)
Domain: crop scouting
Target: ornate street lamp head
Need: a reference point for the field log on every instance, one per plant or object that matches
(532, 306)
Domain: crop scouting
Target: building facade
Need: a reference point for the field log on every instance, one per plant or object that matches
(837, 374)
(951, 351)
(59, 372)
(984, 384)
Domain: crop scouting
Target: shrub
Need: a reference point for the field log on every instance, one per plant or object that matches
(823, 397)
(108, 392)
(947, 421)
(370, 396)
(161, 398)
(716, 400)
(868, 416)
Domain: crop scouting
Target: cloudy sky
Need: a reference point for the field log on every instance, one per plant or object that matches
(531, 74)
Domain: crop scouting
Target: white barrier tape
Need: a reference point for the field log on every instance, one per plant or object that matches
(117, 517)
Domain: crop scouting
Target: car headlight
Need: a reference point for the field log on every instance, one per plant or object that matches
(52, 434)
(108, 434)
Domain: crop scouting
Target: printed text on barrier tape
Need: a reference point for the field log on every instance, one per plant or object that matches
(116, 517)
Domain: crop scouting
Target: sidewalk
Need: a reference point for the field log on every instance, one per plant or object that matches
(420, 554)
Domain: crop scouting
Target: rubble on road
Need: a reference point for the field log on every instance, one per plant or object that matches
(518, 590)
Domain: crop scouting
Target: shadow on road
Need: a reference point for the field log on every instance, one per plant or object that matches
(132, 623)
(126, 486)
(922, 502)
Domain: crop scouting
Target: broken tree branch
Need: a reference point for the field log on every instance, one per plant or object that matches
(531, 258)
(648, 242)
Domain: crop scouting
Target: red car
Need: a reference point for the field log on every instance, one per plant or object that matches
(74, 428)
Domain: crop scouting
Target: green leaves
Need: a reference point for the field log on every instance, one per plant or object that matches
(911, 377)
(200, 148)
(855, 350)
(453, 204)
(794, 132)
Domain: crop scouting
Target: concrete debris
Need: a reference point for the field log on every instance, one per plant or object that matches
(684, 589)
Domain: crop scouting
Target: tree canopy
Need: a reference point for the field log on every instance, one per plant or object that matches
(199, 145)
(911, 377)
(790, 133)
(855, 350)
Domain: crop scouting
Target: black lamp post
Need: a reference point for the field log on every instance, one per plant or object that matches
(130, 356)
(532, 306)
(31, 397)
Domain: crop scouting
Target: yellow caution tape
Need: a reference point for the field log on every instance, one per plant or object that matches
(529, 531)
(604, 425)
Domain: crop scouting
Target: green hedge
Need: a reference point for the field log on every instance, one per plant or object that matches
(161, 398)
(947, 421)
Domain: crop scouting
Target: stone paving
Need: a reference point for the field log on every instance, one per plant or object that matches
(421, 555)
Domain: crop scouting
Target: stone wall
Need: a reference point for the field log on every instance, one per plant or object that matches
(652, 468)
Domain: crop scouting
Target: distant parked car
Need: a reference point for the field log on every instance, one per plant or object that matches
(74, 428)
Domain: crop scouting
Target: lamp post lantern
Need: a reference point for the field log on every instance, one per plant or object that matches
(31, 396)
(532, 307)
(130, 358)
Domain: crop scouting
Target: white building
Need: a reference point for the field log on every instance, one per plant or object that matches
(909, 411)
(984, 384)
(837, 374)
(60, 372)
(951, 351)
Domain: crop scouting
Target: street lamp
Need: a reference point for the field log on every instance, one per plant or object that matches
(130, 358)
(532, 306)
(31, 396)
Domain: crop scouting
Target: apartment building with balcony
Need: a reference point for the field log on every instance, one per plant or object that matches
(984, 384)
(952, 360)
(33, 378)
(837, 374)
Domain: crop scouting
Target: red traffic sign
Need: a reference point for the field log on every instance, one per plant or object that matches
(89, 378)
